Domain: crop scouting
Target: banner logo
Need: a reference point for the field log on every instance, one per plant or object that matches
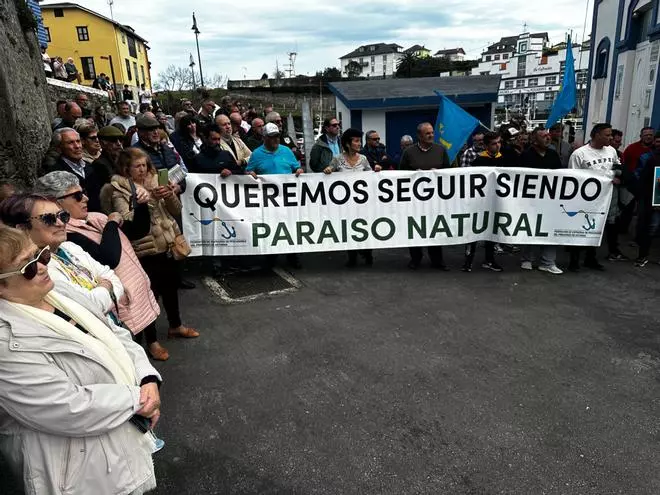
(590, 222)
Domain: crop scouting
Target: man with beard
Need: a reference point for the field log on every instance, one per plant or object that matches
(212, 158)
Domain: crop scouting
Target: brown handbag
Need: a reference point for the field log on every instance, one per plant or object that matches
(180, 248)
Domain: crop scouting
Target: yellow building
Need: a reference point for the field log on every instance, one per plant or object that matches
(93, 40)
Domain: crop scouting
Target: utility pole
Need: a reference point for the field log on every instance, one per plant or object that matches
(192, 70)
(199, 58)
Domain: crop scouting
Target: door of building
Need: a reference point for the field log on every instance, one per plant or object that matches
(641, 97)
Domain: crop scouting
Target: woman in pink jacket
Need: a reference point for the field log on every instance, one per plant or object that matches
(107, 240)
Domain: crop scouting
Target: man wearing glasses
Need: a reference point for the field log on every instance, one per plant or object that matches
(375, 152)
(326, 146)
(103, 168)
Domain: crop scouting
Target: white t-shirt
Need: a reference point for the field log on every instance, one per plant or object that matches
(587, 157)
(125, 121)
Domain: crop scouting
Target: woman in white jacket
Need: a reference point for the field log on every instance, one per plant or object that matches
(78, 395)
(45, 222)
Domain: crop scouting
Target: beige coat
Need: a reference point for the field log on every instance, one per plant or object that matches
(63, 419)
(242, 154)
(117, 196)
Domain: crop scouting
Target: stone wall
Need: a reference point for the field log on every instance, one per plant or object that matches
(62, 90)
(25, 123)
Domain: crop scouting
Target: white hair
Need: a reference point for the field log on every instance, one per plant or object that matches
(56, 184)
(272, 117)
(56, 140)
(406, 138)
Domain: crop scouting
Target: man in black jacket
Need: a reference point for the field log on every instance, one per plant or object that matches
(70, 149)
(212, 159)
(326, 147)
(648, 194)
(103, 168)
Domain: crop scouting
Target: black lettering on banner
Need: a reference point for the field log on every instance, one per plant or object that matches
(563, 193)
(440, 227)
(270, 192)
(503, 183)
(548, 186)
(402, 188)
(251, 195)
(304, 231)
(289, 191)
(516, 185)
(328, 232)
(442, 179)
(484, 225)
(585, 186)
(357, 226)
(384, 187)
(282, 234)
(477, 184)
(502, 222)
(461, 217)
(539, 222)
(529, 186)
(428, 192)
(208, 202)
(360, 190)
(344, 230)
(224, 195)
(259, 231)
(523, 226)
(389, 223)
(316, 196)
(339, 184)
(420, 228)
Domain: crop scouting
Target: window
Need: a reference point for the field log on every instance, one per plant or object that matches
(132, 51)
(373, 59)
(522, 47)
(549, 96)
(562, 67)
(544, 60)
(58, 12)
(533, 82)
(487, 58)
(581, 77)
(520, 83)
(522, 66)
(508, 84)
(496, 56)
(372, 48)
(550, 80)
(502, 66)
(618, 82)
(89, 72)
(123, 38)
(373, 69)
(602, 59)
(128, 70)
(144, 79)
(505, 56)
(484, 73)
(83, 34)
(508, 98)
(139, 46)
(47, 34)
(137, 83)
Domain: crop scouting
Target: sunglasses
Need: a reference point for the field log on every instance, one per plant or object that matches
(115, 139)
(78, 196)
(334, 125)
(30, 269)
(50, 219)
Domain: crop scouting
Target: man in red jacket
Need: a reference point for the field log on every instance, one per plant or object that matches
(634, 151)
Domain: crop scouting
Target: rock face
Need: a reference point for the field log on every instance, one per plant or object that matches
(24, 102)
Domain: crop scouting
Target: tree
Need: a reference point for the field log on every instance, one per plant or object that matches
(174, 79)
(407, 64)
(353, 69)
(331, 73)
(278, 74)
(216, 81)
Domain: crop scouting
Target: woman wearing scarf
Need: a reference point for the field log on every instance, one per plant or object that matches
(108, 240)
(74, 386)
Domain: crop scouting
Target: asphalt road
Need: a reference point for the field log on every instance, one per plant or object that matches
(387, 381)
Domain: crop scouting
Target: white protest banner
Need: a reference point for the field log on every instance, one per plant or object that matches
(273, 214)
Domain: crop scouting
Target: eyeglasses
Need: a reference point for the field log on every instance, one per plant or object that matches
(30, 269)
(50, 219)
(92, 138)
(78, 196)
(375, 139)
(278, 121)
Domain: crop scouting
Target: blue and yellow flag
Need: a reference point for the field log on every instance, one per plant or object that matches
(453, 126)
(565, 100)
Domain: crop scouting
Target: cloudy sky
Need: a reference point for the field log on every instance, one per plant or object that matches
(245, 38)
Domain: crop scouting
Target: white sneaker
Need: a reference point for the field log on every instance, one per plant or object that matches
(526, 265)
(551, 269)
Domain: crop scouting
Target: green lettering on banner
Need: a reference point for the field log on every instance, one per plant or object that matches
(328, 232)
(461, 217)
(440, 227)
(282, 234)
(523, 226)
(502, 222)
(259, 231)
(389, 235)
(357, 225)
(420, 228)
(304, 233)
(484, 225)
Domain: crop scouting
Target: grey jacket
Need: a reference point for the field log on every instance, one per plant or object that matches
(63, 420)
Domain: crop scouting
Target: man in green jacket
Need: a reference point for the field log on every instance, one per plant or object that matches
(326, 146)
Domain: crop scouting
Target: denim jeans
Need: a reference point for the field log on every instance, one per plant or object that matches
(548, 254)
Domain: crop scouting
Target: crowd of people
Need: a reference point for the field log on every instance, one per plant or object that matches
(88, 252)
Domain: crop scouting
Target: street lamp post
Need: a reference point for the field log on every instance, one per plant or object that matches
(199, 58)
(192, 70)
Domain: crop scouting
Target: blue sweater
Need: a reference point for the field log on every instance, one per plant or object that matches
(280, 161)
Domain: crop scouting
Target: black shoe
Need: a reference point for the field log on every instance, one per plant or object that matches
(467, 267)
(594, 265)
(186, 284)
(574, 267)
(616, 257)
(413, 265)
(440, 266)
(491, 265)
(639, 263)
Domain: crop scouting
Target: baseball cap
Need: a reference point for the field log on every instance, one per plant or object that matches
(271, 129)
(513, 132)
(146, 122)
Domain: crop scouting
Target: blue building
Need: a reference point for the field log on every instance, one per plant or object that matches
(623, 66)
(394, 107)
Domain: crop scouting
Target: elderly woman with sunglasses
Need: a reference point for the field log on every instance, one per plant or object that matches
(108, 240)
(74, 387)
(45, 223)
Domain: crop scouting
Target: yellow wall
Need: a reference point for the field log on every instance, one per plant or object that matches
(104, 39)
